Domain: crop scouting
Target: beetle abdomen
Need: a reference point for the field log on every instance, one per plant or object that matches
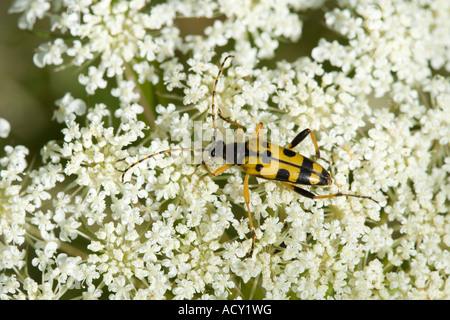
(273, 162)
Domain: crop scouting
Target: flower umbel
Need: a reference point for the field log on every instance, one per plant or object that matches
(375, 91)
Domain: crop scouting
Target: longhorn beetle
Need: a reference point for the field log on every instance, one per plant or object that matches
(260, 158)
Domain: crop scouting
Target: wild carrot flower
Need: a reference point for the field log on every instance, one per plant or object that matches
(375, 90)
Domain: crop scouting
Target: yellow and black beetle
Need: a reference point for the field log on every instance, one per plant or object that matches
(259, 158)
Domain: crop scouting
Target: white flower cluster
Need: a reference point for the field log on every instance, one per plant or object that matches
(378, 100)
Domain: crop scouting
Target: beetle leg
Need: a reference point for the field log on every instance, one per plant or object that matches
(259, 130)
(218, 171)
(301, 136)
(219, 111)
(310, 195)
(240, 133)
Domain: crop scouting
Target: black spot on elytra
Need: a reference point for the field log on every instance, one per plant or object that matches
(266, 156)
(282, 175)
(289, 153)
(303, 177)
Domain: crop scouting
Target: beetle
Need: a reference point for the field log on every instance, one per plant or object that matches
(260, 158)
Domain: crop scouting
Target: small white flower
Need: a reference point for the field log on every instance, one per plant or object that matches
(5, 128)
(31, 9)
(68, 105)
(126, 92)
(50, 53)
(114, 66)
(50, 248)
(14, 234)
(80, 53)
(121, 288)
(266, 44)
(93, 80)
(12, 257)
(184, 290)
(148, 48)
(146, 72)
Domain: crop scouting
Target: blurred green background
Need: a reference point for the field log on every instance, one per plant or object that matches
(27, 92)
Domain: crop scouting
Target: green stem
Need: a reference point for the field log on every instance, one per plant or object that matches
(72, 251)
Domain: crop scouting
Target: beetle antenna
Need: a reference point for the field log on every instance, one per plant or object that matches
(213, 106)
